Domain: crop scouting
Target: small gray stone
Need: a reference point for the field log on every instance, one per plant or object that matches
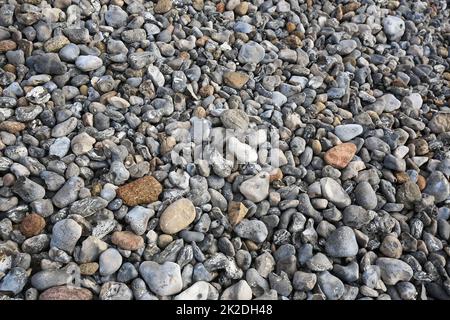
(254, 230)
(342, 243)
(110, 261)
(65, 235)
(164, 279)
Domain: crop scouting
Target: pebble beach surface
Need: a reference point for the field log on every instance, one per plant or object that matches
(119, 179)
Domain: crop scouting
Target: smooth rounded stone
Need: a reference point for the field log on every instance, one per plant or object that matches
(50, 278)
(127, 240)
(391, 247)
(408, 194)
(60, 147)
(115, 291)
(365, 196)
(69, 52)
(66, 293)
(28, 190)
(14, 281)
(68, 192)
(356, 216)
(254, 230)
(440, 122)
(235, 119)
(331, 286)
(198, 291)
(82, 143)
(110, 261)
(36, 244)
(340, 155)
(347, 132)
(406, 290)
(342, 243)
(304, 281)
(241, 151)
(88, 63)
(437, 186)
(42, 207)
(178, 216)
(91, 248)
(393, 27)
(115, 16)
(162, 279)
(138, 219)
(141, 191)
(333, 191)
(394, 270)
(256, 189)
(65, 235)
(251, 52)
(238, 291)
(64, 128)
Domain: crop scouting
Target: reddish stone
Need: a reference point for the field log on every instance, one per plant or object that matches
(340, 155)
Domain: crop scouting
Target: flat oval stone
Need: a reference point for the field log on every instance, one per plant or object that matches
(177, 216)
(66, 293)
(127, 240)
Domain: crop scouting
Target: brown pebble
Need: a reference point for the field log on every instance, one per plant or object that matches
(164, 240)
(10, 68)
(421, 182)
(88, 269)
(8, 180)
(241, 9)
(401, 177)
(66, 293)
(127, 240)
(290, 27)
(220, 7)
(7, 45)
(12, 126)
(32, 225)
(235, 80)
(340, 155)
(275, 174)
(141, 191)
(206, 91)
(236, 212)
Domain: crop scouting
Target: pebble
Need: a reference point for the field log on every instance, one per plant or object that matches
(394, 270)
(178, 216)
(340, 155)
(348, 132)
(141, 191)
(342, 243)
(256, 189)
(65, 235)
(66, 293)
(254, 230)
(334, 192)
(110, 261)
(88, 63)
(162, 279)
(127, 240)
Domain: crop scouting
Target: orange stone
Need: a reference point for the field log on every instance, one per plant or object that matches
(32, 225)
(421, 182)
(66, 293)
(235, 79)
(340, 155)
(141, 191)
(236, 212)
(127, 240)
